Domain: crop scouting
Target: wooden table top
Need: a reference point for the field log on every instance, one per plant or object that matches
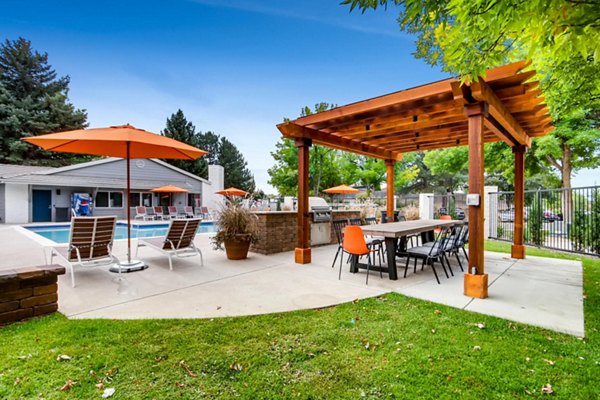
(404, 228)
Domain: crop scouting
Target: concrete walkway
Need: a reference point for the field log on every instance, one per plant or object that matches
(536, 291)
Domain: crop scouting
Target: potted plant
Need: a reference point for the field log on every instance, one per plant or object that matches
(236, 230)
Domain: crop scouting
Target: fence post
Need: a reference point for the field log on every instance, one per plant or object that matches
(425, 205)
(490, 220)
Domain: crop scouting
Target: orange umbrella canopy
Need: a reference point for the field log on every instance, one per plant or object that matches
(169, 189)
(114, 141)
(342, 189)
(232, 192)
(123, 141)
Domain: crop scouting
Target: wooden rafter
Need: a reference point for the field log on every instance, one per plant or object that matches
(482, 92)
(432, 116)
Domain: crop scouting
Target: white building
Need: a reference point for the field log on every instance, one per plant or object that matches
(43, 194)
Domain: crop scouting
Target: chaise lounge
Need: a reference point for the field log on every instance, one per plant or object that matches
(179, 240)
(90, 244)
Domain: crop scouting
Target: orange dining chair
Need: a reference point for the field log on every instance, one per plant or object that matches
(354, 244)
(443, 218)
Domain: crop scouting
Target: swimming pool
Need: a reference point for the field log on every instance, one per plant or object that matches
(60, 233)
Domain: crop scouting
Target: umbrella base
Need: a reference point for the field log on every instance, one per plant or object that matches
(131, 266)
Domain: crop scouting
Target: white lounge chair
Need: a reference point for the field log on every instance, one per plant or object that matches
(140, 213)
(173, 214)
(179, 240)
(90, 244)
(189, 211)
(158, 213)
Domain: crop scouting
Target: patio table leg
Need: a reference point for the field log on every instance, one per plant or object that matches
(390, 246)
(353, 264)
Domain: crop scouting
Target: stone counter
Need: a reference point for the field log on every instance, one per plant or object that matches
(277, 230)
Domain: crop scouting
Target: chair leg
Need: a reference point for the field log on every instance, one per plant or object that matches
(448, 262)
(201, 257)
(466, 255)
(368, 267)
(434, 272)
(341, 259)
(170, 262)
(406, 266)
(72, 275)
(459, 262)
(443, 267)
(415, 266)
(336, 256)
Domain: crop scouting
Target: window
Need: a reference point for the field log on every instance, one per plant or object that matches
(102, 199)
(147, 199)
(134, 199)
(193, 199)
(109, 199)
(140, 199)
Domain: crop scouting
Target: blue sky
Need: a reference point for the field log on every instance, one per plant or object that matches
(235, 67)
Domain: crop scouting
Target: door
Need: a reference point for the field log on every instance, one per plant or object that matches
(42, 205)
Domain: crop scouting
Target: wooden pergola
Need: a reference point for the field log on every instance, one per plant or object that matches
(502, 106)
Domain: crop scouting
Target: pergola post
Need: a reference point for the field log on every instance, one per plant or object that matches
(390, 189)
(518, 249)
(476, 280)
(302, 253)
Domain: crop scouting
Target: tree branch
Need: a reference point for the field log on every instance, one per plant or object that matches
(553, 161)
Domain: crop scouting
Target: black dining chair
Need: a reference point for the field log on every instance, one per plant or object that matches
(338, 229)
(430, 254)
(377, 239)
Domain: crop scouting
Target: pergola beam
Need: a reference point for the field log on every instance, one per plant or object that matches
(482, 92)
(293, 131)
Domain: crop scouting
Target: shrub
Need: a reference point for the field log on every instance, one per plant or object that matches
(235, 222)
(411, 213)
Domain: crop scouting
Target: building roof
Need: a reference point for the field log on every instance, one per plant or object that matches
(50, 176)
(11, 170)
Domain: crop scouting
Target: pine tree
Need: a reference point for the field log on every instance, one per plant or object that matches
(220, 151)
(210, 142)
(33, 100)
(179, 128)
(237, 173)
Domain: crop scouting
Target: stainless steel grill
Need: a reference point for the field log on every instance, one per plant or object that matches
(321, 213)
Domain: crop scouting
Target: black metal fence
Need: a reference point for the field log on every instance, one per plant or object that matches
(453, 204)
(560, 219)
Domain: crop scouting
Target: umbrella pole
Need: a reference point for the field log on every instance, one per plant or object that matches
(128, 205)
(131, 265)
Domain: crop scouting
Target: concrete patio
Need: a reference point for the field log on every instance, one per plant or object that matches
(536, 291)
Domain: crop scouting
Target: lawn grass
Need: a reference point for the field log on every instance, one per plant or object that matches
(387, 347)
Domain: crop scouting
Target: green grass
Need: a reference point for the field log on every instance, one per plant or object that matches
(387, 347)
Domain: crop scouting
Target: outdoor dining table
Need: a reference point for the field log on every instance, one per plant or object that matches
(399, 230)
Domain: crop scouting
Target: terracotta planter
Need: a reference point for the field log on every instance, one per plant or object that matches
(237, 249)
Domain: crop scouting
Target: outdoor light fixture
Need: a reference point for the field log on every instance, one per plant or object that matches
(367, 127)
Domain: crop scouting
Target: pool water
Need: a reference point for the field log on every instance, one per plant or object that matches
(60, 233)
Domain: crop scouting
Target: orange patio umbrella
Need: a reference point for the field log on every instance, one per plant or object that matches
(123, 141)
(169, 189)
(232, 192)
(342, 190)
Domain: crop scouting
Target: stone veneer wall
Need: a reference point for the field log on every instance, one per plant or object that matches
(277, 230)
(28, 292)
